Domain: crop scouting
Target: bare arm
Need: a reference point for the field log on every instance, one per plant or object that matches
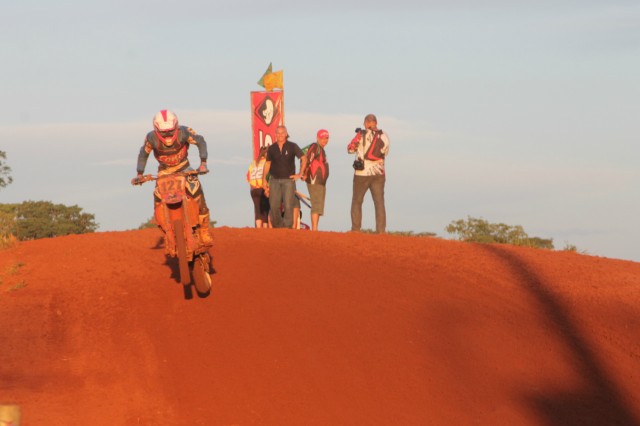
(267, 167)
(303, 164)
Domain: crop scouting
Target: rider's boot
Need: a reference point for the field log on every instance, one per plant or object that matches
(168, 247)
(203, 230)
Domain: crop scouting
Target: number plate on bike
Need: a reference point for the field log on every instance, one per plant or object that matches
(171, 188)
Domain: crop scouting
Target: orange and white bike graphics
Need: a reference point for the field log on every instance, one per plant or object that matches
(177, 216)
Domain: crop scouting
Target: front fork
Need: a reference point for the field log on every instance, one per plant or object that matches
(188, 212)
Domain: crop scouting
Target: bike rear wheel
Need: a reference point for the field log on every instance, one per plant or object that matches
(181, 249)
(201, 277)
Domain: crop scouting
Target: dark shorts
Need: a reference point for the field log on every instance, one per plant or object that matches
(260, 204)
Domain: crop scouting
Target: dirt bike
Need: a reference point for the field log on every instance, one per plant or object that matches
(177, 215)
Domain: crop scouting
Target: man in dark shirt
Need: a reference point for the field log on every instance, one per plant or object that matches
(281, 164)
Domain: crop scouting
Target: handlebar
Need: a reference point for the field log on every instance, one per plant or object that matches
(147, 178)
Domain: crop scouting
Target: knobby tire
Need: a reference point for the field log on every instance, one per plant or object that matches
(181, 249)
(201, 277)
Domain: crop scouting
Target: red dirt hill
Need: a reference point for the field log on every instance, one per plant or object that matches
(324, 328)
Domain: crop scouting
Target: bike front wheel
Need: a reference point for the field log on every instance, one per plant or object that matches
(181, 249)
(201, 277)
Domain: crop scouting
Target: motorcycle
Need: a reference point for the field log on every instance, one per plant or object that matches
(177, 215)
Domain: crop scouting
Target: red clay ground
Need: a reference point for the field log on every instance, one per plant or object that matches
(321, 328)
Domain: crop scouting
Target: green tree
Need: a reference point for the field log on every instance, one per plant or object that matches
(8, 219)
(7, 222)
(481, 231)
(5, 178)
(43, 219)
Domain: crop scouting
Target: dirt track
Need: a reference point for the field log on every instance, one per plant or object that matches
(319, 329)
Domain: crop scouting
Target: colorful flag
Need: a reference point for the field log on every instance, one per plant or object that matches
(267, 72)
(273, 81)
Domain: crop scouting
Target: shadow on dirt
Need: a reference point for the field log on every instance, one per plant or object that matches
(598, 402)
(159, 244)
(188, 290)
(174, 267)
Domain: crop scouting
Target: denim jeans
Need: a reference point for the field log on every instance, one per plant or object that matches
(281, 191)
(360, 186)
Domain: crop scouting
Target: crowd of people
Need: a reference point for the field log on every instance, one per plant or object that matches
(272, 177)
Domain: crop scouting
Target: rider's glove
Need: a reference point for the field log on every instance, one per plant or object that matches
(203, 168)
(137, 180)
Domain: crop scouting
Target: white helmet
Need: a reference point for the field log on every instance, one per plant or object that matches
(166, 125)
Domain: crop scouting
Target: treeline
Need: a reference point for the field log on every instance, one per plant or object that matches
(31, 220)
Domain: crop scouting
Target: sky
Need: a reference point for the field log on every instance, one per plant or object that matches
(517, 112)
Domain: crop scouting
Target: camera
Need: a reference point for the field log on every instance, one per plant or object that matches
(363, 131)
(358, 164)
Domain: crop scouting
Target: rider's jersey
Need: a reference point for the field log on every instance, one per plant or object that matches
(171, 158)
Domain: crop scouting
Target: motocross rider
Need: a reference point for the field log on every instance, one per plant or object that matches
(170, 143)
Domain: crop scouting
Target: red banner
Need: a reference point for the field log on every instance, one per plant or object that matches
(267, 113)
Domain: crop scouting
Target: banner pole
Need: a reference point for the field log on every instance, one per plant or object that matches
(253, 148)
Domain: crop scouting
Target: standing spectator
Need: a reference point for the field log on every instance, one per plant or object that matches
(317, 175)
(281, 164)
(255, 177)
(371, 146)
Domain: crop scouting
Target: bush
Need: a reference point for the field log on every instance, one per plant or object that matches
(481, 231)
(151, 223)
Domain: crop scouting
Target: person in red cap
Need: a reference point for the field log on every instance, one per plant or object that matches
(316, 178)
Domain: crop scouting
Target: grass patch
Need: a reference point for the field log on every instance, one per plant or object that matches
(8, 241)
(18, 286)
(13, 269)
(402, 233)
